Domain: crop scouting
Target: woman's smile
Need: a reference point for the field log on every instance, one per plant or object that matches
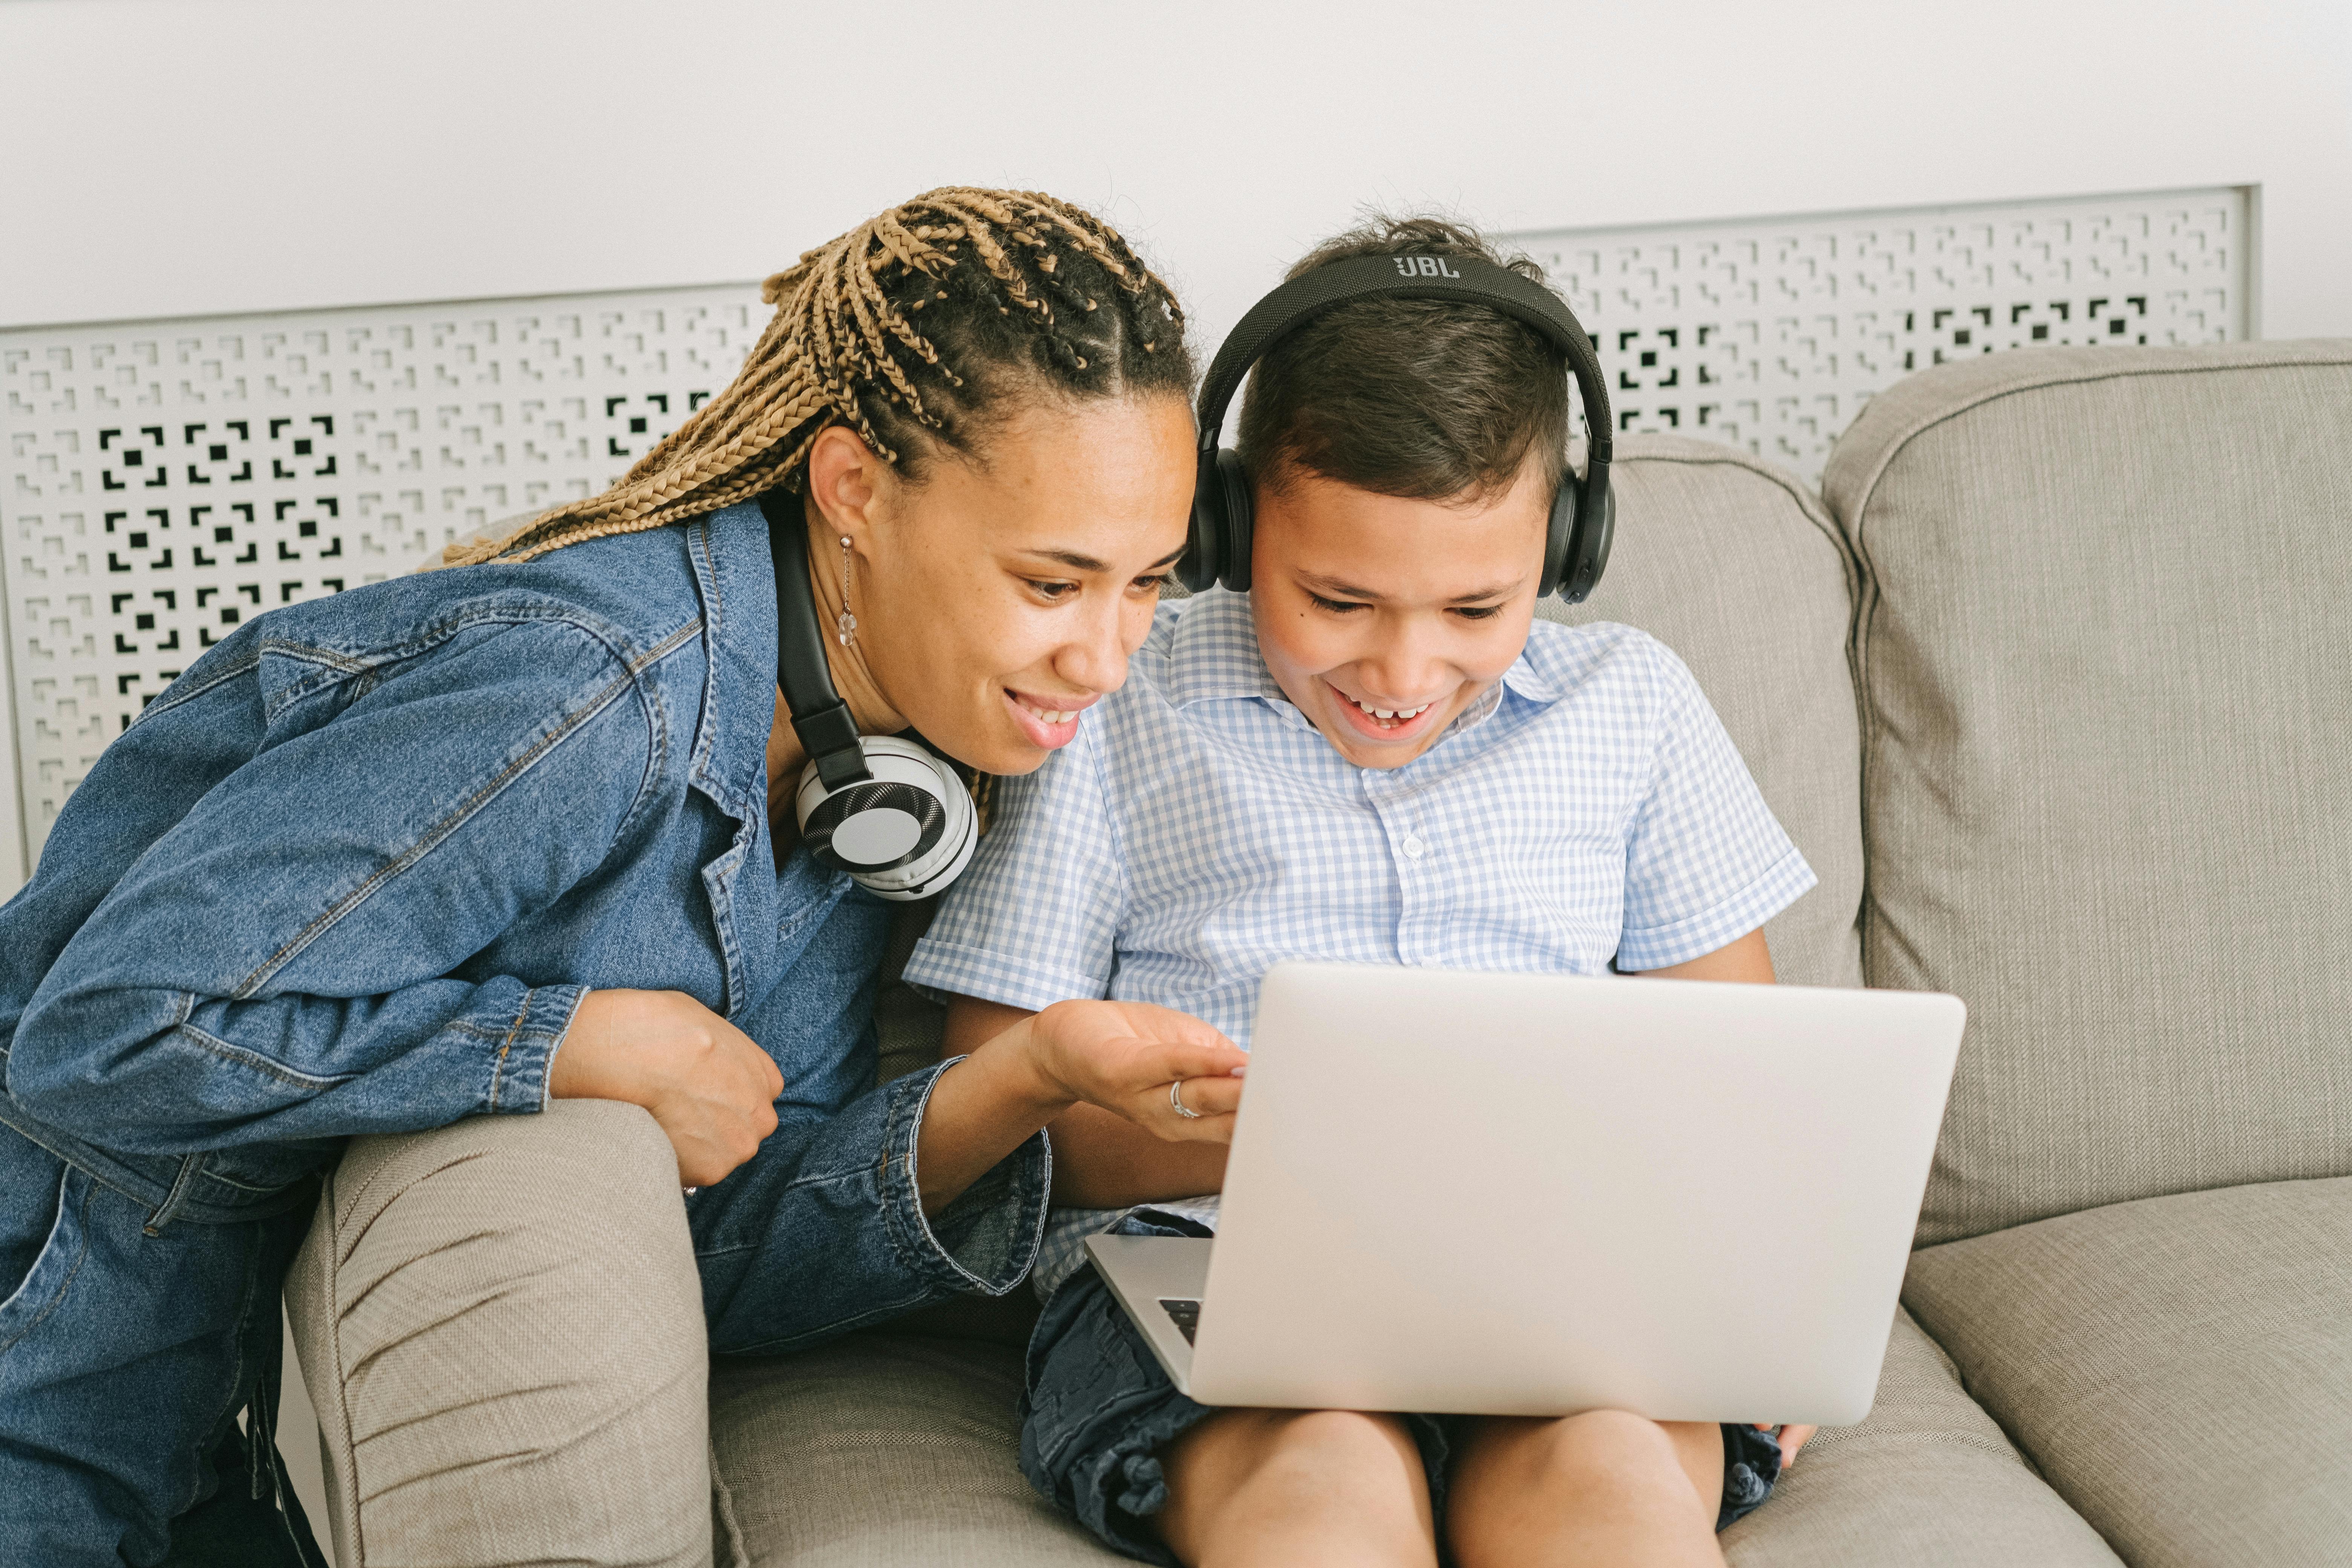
(1051, 722)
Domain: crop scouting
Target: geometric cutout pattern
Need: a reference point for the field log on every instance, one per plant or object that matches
(166, 482)
(1771, 336)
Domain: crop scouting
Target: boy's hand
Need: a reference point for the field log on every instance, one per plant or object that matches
(1791, 1439)
(1123, 1056)
(712, 1088)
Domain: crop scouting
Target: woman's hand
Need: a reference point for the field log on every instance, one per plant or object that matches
(1021, 1070)
(1124, 1056)
(712, 1088)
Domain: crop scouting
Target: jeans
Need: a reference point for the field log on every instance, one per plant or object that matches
(130, 1344)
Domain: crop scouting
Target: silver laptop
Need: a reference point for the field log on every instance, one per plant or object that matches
(1536, 1195)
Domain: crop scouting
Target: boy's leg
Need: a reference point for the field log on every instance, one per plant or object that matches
(1604, 1487)
(1291, 1489)
(1104, 1435)
(124, 1358)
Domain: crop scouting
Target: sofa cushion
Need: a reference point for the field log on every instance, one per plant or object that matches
(2104, 658)
(1925, 1481)
(880, 1451)
(898, 1451)
(1732, 563)
(2180, 1367)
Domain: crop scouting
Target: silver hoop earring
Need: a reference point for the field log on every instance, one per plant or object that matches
(847, 622)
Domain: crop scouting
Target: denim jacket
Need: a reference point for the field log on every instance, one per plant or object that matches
(354, 870)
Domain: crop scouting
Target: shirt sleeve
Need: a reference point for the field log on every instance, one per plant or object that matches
(821, 1234)
(291, 960)
(1035, 918)
(1705, 860)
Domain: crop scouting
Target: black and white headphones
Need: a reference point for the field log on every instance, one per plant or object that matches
(1583, 514)
(886, 811)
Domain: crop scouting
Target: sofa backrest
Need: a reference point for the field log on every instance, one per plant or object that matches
(2105, 657)
(1732, 563)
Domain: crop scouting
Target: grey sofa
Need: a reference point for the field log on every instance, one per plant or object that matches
(2053, 684)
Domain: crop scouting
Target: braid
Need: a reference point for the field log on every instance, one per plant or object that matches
(1010, 289)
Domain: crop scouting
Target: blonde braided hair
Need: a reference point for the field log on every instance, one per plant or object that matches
(1006, 281)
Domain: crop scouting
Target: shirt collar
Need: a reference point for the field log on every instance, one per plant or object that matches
(729, 550)
(1213, 654)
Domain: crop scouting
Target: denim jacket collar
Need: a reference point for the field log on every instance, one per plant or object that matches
(736, 580)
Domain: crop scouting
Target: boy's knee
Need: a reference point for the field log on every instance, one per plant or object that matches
(1627, 1454)
(510, 1302)
(1334, 1452)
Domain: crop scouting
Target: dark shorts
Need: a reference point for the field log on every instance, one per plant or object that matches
(1097, 1410)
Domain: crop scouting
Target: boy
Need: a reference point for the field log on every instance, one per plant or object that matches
(1373, 755)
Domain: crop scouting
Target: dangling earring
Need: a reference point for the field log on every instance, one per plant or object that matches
(847, 622)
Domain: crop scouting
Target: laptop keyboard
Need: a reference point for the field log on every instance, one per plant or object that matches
(1185, 1314)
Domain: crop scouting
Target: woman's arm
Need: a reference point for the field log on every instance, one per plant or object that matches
(1103, 1160)
(282, 961)
(923, 1188)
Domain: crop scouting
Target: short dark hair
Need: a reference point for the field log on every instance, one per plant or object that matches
(1422, 398)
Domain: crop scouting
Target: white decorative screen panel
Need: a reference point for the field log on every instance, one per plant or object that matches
(1771, 335)
(166, 482)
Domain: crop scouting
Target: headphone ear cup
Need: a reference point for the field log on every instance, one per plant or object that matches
(1559, 535)
(1240, 521)
(1587, 553)
(903, 833)
(1203, 556)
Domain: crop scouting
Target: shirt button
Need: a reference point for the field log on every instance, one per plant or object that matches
(1414, 845)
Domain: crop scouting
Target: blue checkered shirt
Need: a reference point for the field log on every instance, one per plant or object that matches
(1199, 830)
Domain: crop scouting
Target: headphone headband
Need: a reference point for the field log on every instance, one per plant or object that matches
(1583, 512)
(885, 809)
(1404, 277)
(821, 720)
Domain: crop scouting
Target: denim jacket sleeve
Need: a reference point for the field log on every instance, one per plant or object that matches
(289, 958)
(824, 1231)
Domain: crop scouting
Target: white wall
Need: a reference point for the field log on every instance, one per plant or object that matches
(174, 157)
(177, 156)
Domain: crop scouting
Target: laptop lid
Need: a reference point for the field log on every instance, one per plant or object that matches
(1533, 1194)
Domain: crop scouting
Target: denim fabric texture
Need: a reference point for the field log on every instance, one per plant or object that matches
(352, 872)
(124, 1360)
(1096, 1410)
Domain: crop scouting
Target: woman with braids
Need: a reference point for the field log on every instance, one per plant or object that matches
(511, 847)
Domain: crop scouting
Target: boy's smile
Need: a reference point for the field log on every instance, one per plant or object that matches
(1384, 617)
(1383, 722)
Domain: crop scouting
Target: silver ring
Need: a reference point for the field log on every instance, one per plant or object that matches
(1176, 1102)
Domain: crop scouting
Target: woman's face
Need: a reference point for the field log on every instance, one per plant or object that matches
(1003, 595)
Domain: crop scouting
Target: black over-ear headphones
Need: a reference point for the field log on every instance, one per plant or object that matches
(886, 811)
(1583, 514)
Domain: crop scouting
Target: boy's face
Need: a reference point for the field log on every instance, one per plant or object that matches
(1370, 604)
